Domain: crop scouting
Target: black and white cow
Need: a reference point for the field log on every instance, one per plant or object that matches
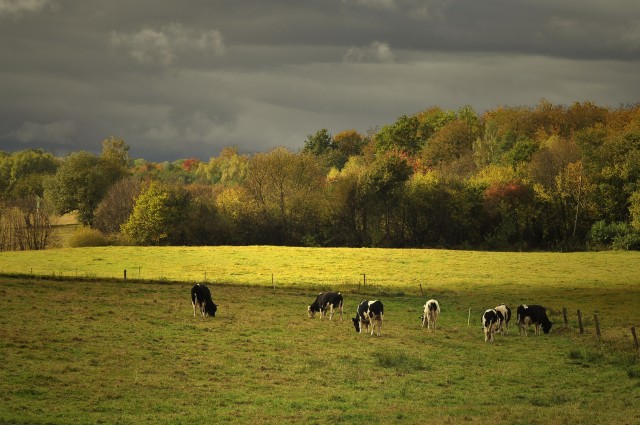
(489, 324)
(201, 297)
(326, 301)
(536, 314)
(504, 316)
(369, 313)
(431, 311)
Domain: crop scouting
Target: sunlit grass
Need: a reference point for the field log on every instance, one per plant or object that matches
(265, 265)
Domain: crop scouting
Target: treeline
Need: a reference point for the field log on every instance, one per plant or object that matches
(548, 177)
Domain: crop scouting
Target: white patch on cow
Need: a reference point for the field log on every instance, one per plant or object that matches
(503, 325)
(429, 316)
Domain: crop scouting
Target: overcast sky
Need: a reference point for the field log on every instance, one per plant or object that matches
(178, 79)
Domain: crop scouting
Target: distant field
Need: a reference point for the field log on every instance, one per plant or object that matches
(105, 351)
(314, 267)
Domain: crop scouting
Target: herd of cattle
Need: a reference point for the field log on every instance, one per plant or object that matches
(371, 313)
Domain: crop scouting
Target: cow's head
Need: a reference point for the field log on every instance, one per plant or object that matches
(211, 309)
(356, 323)
(310, 312)
(546, 326)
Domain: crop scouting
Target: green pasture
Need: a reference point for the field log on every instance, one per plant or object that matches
(79, 345)
(78, 352)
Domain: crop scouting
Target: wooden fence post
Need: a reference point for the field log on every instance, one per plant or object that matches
(364, 279)
(564, 316)
(580, 322)
(635, 337)
(469, 318)
(125, 274)
(421, 291)
(595, 318)
(273, 282)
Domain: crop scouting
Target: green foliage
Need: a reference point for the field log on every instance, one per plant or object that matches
(401, 136)
(579, 164)
(605, 234)
(228, 169)
(87, 237)
(634, 210)
(158, 216)
(80, 183)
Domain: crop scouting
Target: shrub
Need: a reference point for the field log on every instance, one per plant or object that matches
(629, 241)
(603, 233)
(87, 237)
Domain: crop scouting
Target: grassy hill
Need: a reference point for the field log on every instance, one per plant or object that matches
(109, 351)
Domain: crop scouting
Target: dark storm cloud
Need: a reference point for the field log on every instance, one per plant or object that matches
(179, 79)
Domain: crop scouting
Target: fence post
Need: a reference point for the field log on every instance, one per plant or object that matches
(273, 282)
(564, 316)
(421, 291)
(125, 274)
(364, 279)
(595, 318)
(635, 337)
(469, 318)
(580, 322)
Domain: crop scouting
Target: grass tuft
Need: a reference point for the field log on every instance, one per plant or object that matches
(400, 361)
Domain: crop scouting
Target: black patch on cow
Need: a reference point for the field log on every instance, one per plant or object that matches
(489, 317)
(201, 295)
(537, 315)
(367, 310)
(324, 300)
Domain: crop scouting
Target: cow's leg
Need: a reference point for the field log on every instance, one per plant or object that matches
(340, 310)
(193, 302)
(330, 311)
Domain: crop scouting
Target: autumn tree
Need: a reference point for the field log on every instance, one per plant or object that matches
(288, 188)
(116, 206)
(158, 216)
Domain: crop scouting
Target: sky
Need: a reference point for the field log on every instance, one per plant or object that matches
(181, 79)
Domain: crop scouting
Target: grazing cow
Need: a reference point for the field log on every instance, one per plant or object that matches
(326, 301)
(369, 313)
(536, 314)
(489, 324)
(430, 314)
(201, 297)
(504, 316)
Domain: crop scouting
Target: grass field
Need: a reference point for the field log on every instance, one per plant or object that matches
(107, 351)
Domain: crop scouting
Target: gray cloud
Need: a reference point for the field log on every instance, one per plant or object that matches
(177, 81)
(18, 7)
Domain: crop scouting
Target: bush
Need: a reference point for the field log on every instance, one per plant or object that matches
(615, 235)
(604, 234)
(629, 241)
(87, 237)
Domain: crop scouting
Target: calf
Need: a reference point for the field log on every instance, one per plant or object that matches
(504, 316)
(201, 297)
(369, 313)
(536, 314)
(489, 324)
(431, 311)
(326, 301)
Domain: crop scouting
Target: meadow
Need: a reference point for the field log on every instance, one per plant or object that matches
(88, 347)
